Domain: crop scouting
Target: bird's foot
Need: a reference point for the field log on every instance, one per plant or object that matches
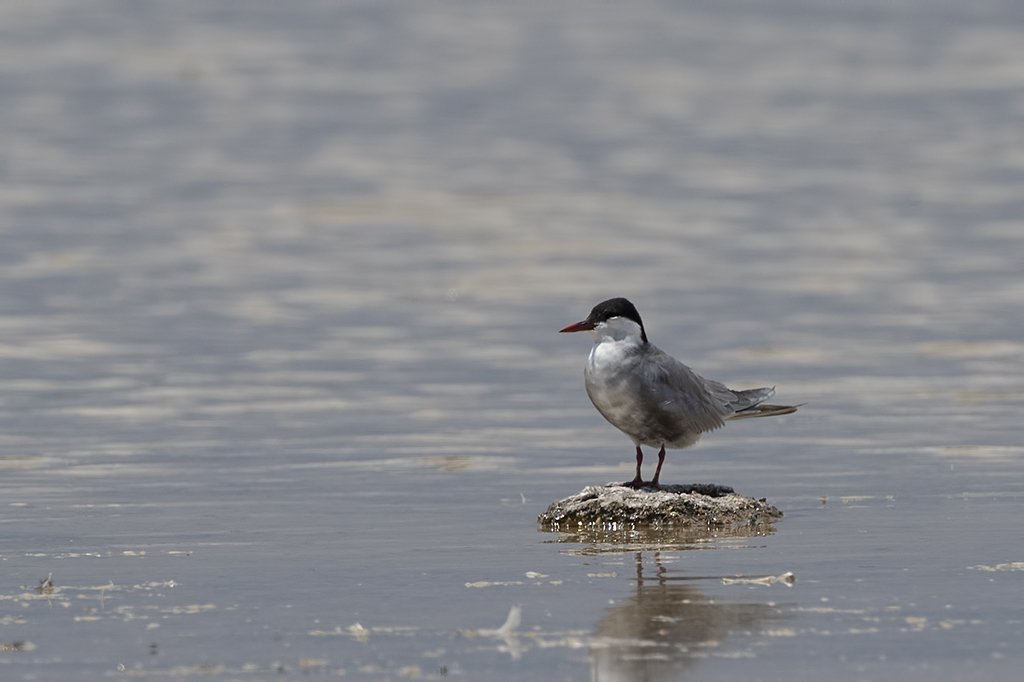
(637, 484)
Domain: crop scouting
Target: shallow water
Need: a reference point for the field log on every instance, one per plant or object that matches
(281, 393)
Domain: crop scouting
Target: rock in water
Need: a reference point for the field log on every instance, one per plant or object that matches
(703, 505)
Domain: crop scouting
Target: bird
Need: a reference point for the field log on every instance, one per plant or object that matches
(650, 396)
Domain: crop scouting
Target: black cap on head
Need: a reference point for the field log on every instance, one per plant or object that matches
(616, 307)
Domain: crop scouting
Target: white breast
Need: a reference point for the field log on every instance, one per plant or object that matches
(611, 384)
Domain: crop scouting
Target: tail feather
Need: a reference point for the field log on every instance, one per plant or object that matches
(764, 411)
(744, 400)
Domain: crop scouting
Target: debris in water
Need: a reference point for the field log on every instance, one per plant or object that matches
(46, 585)
(786, 578)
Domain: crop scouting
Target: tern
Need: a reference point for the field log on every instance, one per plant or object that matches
(649, 395)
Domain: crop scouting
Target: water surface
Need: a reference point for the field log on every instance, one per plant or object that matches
(281, 392)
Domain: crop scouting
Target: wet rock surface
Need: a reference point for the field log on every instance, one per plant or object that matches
(689, 506)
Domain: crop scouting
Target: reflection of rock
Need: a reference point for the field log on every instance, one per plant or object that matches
(664, 628)
(591, 541)
(613, 508)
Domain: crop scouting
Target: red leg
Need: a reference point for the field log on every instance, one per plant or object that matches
(637, 482)
(657, 472)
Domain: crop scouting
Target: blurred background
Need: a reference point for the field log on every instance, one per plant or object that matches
(283, 281)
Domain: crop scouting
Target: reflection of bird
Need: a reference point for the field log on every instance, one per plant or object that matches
(649, 395)
(668, 625)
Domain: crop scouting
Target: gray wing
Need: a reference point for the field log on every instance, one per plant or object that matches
(704, 404)
(696, 404)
